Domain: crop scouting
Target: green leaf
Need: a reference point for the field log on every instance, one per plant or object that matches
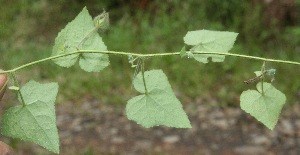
(210, 41)
(36, 121)
(182, 52)
(80, 34)
(102, 21)
(14, 88)
(34, 91)
(94, 62)
(265, 108)
(257, 73)
(159, 106)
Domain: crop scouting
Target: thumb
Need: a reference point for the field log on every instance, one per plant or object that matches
(3, 79)
(6, 149)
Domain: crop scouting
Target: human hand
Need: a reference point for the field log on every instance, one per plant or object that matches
(4, 148)
(3, 79)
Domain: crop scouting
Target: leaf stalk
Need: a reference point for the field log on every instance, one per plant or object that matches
(263, 69)
(19, 90)
(143, 74)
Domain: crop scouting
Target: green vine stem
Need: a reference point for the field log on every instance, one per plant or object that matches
(143, 74)
(147, 55)
(19, 90)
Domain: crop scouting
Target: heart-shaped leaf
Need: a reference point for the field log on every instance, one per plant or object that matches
(36, 121)
(159, 106)
(266, 106)
(80, 34)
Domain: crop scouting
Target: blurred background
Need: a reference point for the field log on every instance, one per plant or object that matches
(91, 106)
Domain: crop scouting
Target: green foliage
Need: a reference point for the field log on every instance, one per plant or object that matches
(159, 106)
(183, 52)
(102, 21)
(80, 34)
(210, 41)
(36, 120)
(265, 104)
(13, 88)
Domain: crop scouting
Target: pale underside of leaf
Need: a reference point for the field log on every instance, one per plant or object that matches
(80, 34)
(94, 62)
(36, 121)
(210, 41)
(265, 108)
(33, 91)
(160, 106)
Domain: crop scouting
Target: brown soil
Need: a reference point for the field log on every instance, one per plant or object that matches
(92, 128)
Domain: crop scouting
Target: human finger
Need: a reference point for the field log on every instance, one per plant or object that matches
(3, 79)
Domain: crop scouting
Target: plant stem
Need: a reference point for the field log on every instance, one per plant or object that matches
(255, 78)
(147, 55)
(19, 90)
(263, 69)
(143, 74)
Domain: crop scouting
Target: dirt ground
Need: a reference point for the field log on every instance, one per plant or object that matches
(92, 128)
